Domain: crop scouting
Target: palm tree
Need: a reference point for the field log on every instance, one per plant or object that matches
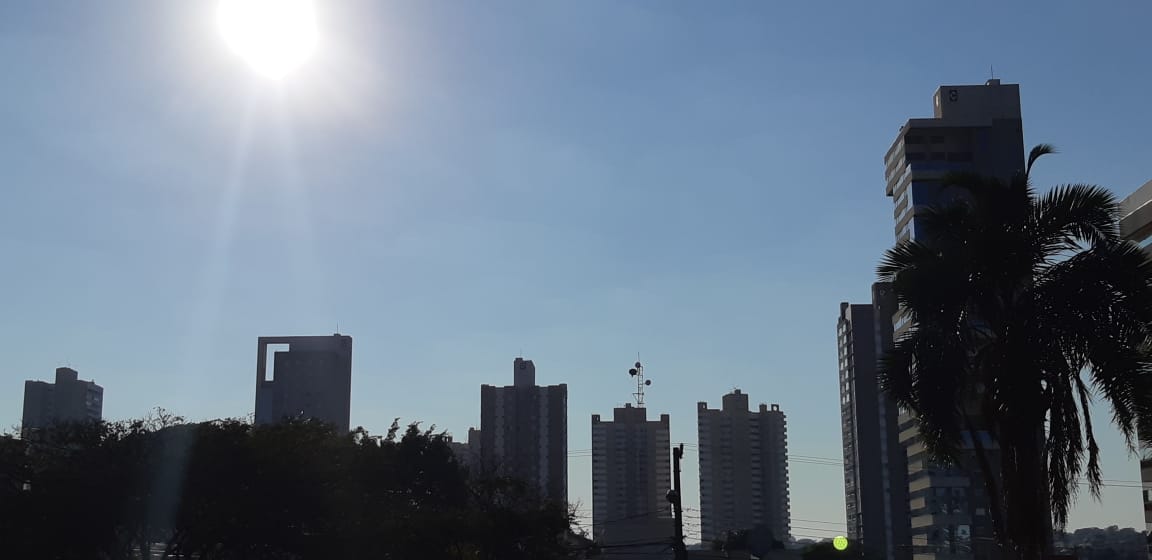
(1022, 308)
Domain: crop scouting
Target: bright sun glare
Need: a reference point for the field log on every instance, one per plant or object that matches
(274, 37)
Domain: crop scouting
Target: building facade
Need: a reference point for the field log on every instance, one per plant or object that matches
(875, 464)
(467, 452)
(524, 431)
(311, 379)
(1136, 226)
(631, 473)
(743, 468)
(68, 399)
(974, 128)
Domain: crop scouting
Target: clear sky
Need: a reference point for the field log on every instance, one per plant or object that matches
(456, 183)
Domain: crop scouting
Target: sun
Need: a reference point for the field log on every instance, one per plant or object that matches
(274, 37)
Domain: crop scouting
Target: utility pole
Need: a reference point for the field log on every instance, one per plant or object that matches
(677, 504)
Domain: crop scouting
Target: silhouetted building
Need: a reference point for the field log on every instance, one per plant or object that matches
(1136, 226)
(743, 468)
(311, 379)
(875, 465)
(631, 472)
(974, 128)
(524, 431)
(67, 400)
(468, 452)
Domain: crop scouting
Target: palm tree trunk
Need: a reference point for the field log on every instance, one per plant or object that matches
(991, 488)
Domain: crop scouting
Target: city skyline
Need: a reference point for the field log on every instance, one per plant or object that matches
(704, 202)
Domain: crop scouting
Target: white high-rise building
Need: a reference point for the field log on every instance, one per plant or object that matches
(631, 475)
(743, 468)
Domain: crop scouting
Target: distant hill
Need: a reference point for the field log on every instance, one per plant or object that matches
(1112, 543)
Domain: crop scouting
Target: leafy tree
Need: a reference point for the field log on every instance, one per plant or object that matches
(228, 490)
(1022, 307)
(758, 540)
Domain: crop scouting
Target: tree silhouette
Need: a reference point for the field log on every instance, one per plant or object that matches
(1021, 307)
(228, 490)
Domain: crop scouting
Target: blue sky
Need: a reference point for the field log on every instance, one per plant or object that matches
(454, 183)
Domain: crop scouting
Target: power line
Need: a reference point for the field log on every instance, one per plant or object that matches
(626, 518)
(817, 521)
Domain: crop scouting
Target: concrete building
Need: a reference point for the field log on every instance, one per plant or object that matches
(311, 378)
(68, 399)
(974, 128)
(1136, 216)
(631, 474)
(524, 431)
(467, 452)
(1136, 226)
(875, 464)
(743, 468)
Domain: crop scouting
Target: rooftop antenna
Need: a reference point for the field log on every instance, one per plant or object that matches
(637, 371)
(991, 72)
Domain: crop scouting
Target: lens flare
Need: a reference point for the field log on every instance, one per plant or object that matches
(275, 37)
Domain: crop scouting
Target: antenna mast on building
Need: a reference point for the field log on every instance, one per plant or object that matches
(637, 371)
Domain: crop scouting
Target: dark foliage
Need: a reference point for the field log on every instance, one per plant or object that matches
(826, 551)
(227, 490)
(1022, 308)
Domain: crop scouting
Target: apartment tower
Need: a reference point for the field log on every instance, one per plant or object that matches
(524, 431)
(67, 400)
(311, 379)
(1136, 226)
(875, 464)
(743, 468)
(631, 474)
(974, 128)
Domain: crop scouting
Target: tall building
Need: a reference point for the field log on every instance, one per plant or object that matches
(875, 465)
(67, 400)
(1136, 226)
(311, 378)
(524, 431)
(743, 468)
(1136, 216)
(466, 452)
(974, 128)
(631, 473)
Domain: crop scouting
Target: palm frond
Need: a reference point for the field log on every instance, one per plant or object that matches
(1092, 470)
(907, 255)
(1038, 151)
(1078, 212)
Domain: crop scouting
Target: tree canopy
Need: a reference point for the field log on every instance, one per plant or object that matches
(229, 490)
